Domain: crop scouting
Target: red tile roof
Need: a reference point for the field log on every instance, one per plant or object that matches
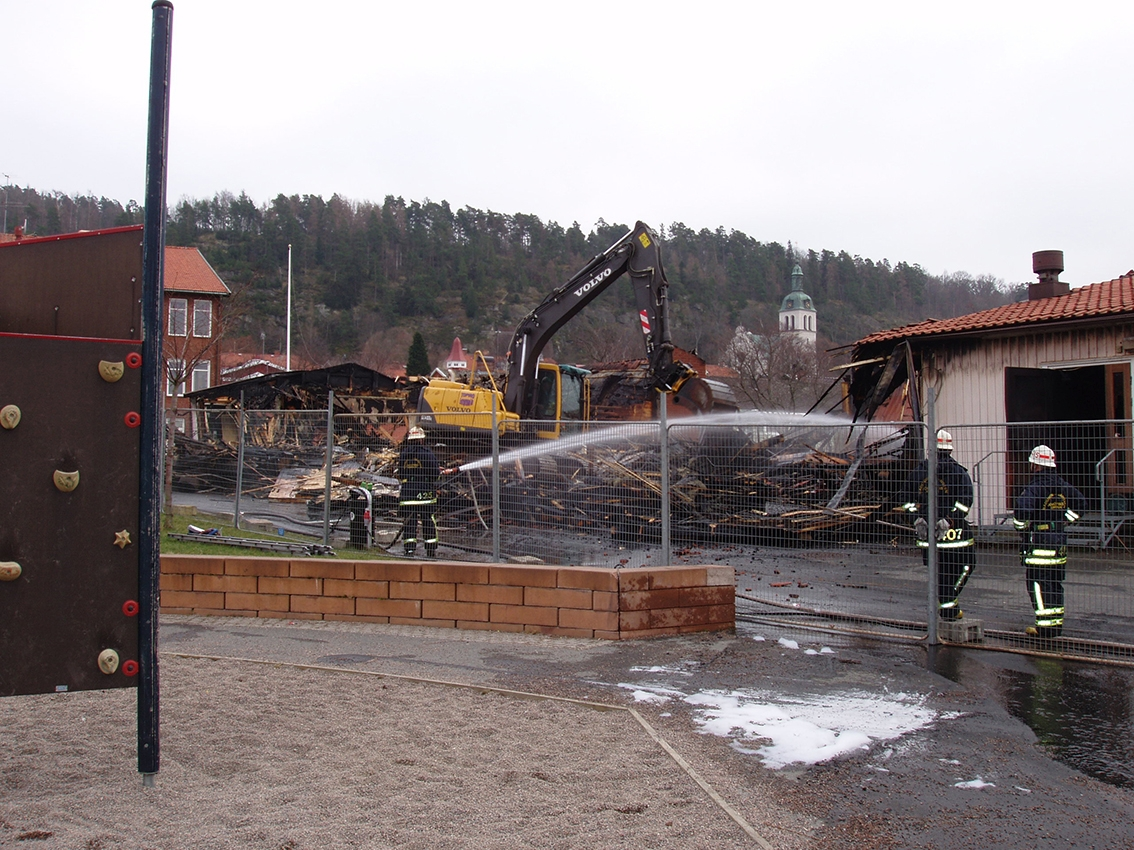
(1110, 298)
(187, 270)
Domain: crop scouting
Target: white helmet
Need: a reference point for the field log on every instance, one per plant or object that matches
(415, 433)
(944, 441)
(1042, 456)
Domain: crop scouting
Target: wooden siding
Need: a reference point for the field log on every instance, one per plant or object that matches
(970, 379)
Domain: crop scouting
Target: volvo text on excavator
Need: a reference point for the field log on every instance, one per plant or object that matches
(549, 394)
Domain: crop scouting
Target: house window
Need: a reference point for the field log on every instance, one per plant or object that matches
(178, 316)
(174, 371)
(201, 374)
(202, 318)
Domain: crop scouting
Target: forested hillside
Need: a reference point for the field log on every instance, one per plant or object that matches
(366, 276)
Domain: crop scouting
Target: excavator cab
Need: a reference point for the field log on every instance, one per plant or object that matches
(562, 399)
(464, 406)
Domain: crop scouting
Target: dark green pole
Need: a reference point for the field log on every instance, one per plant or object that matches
(153, 385)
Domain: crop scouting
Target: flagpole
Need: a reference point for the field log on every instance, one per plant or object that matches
(287, 364)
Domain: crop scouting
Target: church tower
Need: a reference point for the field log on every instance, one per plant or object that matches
(797, 313)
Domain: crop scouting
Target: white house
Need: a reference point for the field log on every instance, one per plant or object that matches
(1053, 369)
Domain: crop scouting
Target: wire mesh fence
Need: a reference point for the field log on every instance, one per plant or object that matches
(1061, 488)
(813, 512)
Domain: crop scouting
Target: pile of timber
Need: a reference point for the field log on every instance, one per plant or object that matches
(728, 489)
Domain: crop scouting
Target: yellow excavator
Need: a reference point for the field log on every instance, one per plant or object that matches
(547, 397)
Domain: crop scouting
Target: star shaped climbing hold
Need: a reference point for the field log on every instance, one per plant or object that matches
(122, 539)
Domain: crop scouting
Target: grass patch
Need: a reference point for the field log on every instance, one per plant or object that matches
(179, 524)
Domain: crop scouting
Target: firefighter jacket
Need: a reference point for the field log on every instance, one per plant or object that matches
(954, 500)
(1045, 508)
(418, 471)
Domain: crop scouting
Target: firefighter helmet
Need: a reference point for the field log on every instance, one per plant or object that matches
(1042, 456)
(944, 441)
(415, 433)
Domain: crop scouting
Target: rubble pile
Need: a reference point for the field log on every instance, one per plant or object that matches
(727, 485)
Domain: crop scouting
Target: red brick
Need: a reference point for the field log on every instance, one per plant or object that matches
(633, 620)
(402, 608)
(432, 609)
(678, 597)
(572, 618)
(647, 599)
(588, 578)
(720, 575)
(662, 578)
(176, 581)
(304, 586)
(686, 616)
(423, 590)
(647, 633)
(553, 597)
(707, 627)
(256, 602)
(321, 568)
(477, 625)
(457, 573)
(166, 609)
(244, 566)
(373, 589)
(192, 564)
(387, 571)
(525, 576)
(255, 567)
(503, 594)
(524, 614)
(602, 601)
(607, 635)
(193, 599)
(237, 584)
(630, 581)
(322, 604)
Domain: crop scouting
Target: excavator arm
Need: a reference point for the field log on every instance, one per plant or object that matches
(636, 254)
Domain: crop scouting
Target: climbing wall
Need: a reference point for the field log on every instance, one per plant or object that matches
(70, 395)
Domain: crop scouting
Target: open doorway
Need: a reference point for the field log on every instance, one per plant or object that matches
(1061, 408)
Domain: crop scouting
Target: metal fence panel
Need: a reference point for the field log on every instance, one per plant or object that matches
(1093, 457)
(808, 509)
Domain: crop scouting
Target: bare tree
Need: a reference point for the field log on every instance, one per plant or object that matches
(778, 371)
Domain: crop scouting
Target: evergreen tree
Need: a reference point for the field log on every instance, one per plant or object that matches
(417, 361)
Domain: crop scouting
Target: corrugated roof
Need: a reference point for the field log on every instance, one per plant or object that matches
(187, 270)
(1110, 298)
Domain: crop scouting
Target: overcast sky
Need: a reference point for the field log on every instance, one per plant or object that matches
(960, 136)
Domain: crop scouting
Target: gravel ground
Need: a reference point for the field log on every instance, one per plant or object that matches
(297, 735)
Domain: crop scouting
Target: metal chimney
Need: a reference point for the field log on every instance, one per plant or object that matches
(1048, 265)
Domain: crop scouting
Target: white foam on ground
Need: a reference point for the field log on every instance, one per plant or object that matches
(785, 730)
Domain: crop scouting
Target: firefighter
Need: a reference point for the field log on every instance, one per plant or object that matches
(418, 471)
(1041, 513)
(954, 537)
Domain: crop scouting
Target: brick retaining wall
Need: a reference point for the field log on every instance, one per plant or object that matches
(569, 601)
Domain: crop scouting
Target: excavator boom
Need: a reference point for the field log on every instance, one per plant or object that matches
(636, 254)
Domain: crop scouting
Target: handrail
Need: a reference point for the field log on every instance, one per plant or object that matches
(977, 482)
(1099, 477)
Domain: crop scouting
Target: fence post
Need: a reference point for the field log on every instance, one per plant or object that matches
(931, 506)
(495, 485)
(330, 461)
(239, 465)
(663, 436)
